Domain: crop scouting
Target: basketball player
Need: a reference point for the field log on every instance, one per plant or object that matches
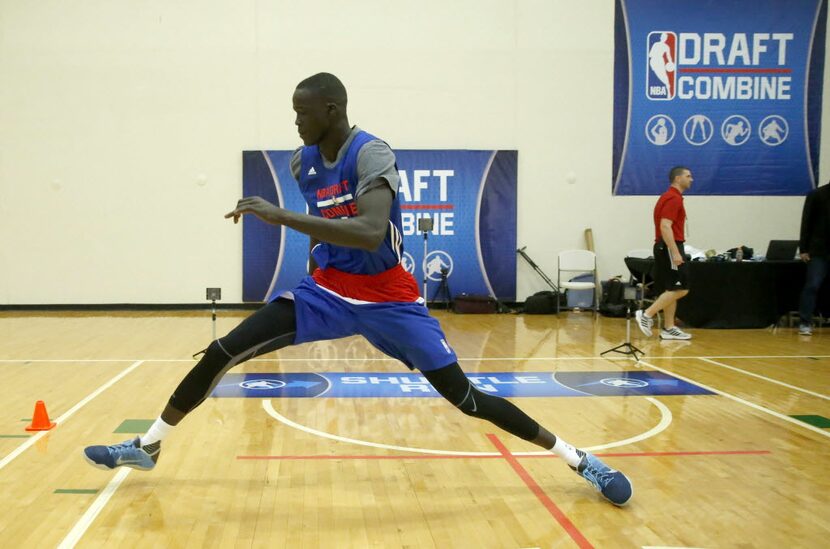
(357, 286)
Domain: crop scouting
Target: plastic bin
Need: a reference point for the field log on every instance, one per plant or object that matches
(584, 299)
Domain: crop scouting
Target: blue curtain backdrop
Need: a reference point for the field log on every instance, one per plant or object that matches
(471, 196)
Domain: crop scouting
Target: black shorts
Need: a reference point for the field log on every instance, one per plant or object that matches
(666, 277)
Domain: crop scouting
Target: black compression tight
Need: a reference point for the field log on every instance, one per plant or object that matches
(270, 328)
(454, 386)
(273, 327)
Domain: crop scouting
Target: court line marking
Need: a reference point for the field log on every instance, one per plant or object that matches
(97, 506)
(382, 359)
(765, 378)
(665, 421)
(540, 494)
(66, 415)
(742, 401)
(337, 457)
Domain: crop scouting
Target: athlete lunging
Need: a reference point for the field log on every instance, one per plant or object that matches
(357, 286)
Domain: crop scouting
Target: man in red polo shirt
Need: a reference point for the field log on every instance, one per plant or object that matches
(670, 269)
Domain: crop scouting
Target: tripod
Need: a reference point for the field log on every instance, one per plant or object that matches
(443, 290)
(425, 225)
(213, 294)
(425, 270)
(626, 348)
(521, 252)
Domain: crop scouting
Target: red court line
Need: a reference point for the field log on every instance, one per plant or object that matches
(543, 456)
(560, 517)
(735, 70)
(427, 207)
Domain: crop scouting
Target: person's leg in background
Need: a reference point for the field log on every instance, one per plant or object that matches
(670, 329)
(667, 302)
(675, 281)
(816, 273)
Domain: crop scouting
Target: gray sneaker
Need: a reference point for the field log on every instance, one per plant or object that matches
(612, 484)
(805, 330)
(644, 323)
(128, 454)
(674, 333)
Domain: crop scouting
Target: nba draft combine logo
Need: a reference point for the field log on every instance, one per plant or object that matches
(716, 65)
(662, 53)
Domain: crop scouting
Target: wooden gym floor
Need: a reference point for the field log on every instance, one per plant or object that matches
(741, 466)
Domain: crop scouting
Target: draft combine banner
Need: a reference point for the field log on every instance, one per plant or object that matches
(730, 89)
(470, 195)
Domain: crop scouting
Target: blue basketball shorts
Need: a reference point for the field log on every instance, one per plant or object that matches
(404, 331)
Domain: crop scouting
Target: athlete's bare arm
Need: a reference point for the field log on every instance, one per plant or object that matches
(365, 231)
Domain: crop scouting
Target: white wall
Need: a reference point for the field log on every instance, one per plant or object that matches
(122, 125)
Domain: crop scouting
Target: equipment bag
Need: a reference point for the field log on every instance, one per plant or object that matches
(613, 298)
(541, 303)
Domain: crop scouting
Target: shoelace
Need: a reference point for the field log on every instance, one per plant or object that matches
(602, 477)
(122, 447)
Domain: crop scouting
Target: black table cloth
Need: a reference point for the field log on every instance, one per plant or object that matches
(746, 294)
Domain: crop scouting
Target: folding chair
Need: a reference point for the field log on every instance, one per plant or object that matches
(578, 261)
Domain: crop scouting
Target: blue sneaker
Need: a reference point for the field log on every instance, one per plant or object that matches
(128, 453)
(612, 484)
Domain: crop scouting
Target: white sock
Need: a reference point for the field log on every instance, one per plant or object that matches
(157, 432)
(571, 455)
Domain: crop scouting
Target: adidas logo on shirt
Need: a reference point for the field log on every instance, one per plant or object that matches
(312, 171)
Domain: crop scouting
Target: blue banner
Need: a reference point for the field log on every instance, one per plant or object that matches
(506, 384)
(470, 195)
(731, 90)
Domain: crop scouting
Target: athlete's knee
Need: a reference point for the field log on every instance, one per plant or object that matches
(468, 403)
(197, 384)
(450, 382)
(476, 403)
(453, 385)
(215, 359)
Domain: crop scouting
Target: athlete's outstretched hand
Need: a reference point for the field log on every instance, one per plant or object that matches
(257, 206)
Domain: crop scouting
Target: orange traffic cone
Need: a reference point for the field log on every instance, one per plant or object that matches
(40, 421)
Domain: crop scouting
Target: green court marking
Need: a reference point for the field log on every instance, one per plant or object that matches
(76, 491)
(15, 436)
(26, 419)
(816, 421)
(134, 426)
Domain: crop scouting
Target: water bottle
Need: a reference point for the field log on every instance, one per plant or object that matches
(739, 254)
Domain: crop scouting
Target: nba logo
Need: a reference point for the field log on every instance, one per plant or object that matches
(660, 72)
